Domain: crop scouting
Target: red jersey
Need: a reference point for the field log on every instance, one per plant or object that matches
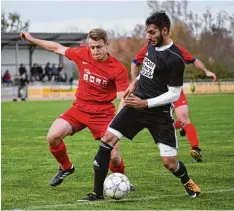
(99, 81)
(138, 59)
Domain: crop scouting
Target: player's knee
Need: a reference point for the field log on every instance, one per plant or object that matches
(53, 139)
(109, 138)
(169, 163)
(184, 119)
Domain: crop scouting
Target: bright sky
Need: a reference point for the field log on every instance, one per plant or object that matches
(72, 16)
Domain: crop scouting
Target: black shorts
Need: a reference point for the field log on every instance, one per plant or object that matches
(130, 121)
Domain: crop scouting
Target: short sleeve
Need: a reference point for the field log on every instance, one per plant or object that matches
(121, 79)
(177, 74)
(74, 53)
(188, 58)
(138, 59)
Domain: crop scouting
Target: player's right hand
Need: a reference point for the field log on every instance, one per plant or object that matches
(26, 36)
(211, 74)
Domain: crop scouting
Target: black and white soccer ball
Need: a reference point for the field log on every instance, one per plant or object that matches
(116, 186)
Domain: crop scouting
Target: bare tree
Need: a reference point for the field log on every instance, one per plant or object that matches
(185, 9)
(178, 6)
(13, 23)
(4, 22)
(231, 20)
(209, 37)
(139, 31)
(172, 7)
(210, 19)
(154, 5)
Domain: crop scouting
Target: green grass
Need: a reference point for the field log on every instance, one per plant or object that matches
(27, 166)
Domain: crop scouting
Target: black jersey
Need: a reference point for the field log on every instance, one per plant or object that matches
(162, 67)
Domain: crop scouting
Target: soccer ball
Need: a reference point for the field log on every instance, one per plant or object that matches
(116, 186)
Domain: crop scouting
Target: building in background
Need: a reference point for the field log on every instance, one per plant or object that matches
(16, 52)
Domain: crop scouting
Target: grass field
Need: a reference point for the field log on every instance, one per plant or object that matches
(27, 166)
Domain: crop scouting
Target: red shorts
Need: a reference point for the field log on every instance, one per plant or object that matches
(96, 117)
(181, 101)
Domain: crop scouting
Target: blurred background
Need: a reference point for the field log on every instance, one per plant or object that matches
(204, 28)
(48, 81)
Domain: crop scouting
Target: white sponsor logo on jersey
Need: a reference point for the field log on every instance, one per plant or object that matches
(94, 78)
(148, 68)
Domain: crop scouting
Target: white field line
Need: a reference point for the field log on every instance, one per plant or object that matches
(113, 201)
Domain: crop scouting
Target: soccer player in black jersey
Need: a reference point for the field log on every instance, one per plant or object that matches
(148, 104)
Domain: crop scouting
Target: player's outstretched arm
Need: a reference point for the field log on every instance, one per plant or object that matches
(47, 45)
(199, 65)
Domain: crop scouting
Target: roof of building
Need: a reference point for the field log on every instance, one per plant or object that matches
(9, 40)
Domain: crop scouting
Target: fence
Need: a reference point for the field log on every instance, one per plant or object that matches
(209, 87)
(59, 91)
(41, 92)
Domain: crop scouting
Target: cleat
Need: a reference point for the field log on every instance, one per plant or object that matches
(59, 177)
(195, 152)
(182, 132)
(132, 187)
(192, 189)
(92, 197)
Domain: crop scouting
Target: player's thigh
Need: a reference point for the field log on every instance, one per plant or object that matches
(167, 143)
(181, 101)
(75, 118)
(166, 151)
(98, 124)
(127, 123)
(59, 129)
(182, 114)
(164, 134)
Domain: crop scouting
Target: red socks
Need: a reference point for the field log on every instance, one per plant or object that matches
(117, 169)
(191, 134)
(60, 154)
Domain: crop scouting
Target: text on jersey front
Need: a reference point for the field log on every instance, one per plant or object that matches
(148, 68)
(94, 78)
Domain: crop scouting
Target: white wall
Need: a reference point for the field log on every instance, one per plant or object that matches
(8, 59)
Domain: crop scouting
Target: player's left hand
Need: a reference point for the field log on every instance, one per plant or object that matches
(131, 88)
(135, 102)
(211, 74)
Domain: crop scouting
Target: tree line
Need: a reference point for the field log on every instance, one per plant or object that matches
(209, 37)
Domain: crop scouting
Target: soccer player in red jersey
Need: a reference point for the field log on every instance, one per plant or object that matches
(101, 78)
(181, 105)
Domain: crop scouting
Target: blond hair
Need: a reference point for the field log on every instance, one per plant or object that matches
(98, 34)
